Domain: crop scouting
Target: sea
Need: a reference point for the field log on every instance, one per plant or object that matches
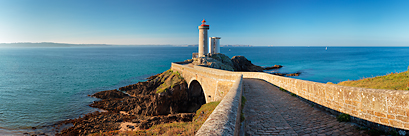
(41, 86)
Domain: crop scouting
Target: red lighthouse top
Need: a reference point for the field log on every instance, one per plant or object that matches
(204, 23)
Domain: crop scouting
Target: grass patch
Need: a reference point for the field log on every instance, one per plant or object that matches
(243, 102)
(282, 89)
(169, 80)
(343, 118)
(392, 81)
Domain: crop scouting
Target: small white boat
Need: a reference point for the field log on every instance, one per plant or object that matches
(326, 48)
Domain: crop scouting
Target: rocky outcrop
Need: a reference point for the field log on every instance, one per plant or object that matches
(109, 121)
(273, 67)
(145, 124)
(222, 58)
(286, 74)
(109, 94)
(241, 63)
(162, 94)
(218, 61)
(95, 122)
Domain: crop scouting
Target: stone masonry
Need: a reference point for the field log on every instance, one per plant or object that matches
(385, 107)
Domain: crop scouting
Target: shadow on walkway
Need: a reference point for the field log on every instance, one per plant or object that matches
(269, 111)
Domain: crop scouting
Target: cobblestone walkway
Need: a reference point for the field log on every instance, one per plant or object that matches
(269, 111)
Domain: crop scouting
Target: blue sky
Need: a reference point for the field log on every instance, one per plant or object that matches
(256, 22)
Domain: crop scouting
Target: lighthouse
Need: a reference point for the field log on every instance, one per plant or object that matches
(203, 41)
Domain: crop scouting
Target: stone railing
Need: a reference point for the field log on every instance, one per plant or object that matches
(386, 107)
(225, 119)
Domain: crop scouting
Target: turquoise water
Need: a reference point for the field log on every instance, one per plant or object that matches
(40, 86)
(335, 64)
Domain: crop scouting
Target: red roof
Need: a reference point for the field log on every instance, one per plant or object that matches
(204, 23)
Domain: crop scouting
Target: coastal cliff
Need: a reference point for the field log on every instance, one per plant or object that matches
(161, 99)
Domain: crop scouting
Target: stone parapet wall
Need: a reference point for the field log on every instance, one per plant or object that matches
(225, 119)
(386, 107)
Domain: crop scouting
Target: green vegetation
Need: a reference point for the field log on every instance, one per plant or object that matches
(243, 102)
(392, 81)
(171, 129)
(292, 94)
(205, 111)
(169, 80)
(343, 117)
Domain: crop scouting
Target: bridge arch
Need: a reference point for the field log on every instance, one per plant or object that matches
(196, 95)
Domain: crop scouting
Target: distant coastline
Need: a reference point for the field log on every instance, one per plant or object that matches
(53, 44)
(195, 45)
(49, 44)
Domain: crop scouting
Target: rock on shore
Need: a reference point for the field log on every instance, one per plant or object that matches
(162, 95)
(273, 67)
(242, 64)
(286, 74)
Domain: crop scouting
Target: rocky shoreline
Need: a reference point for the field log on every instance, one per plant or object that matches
(161, 99)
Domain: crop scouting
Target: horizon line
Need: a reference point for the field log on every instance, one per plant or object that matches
(192, 45)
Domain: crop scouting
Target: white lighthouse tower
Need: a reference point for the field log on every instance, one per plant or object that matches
(203, 41)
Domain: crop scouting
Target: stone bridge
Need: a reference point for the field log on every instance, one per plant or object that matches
(368, 107)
